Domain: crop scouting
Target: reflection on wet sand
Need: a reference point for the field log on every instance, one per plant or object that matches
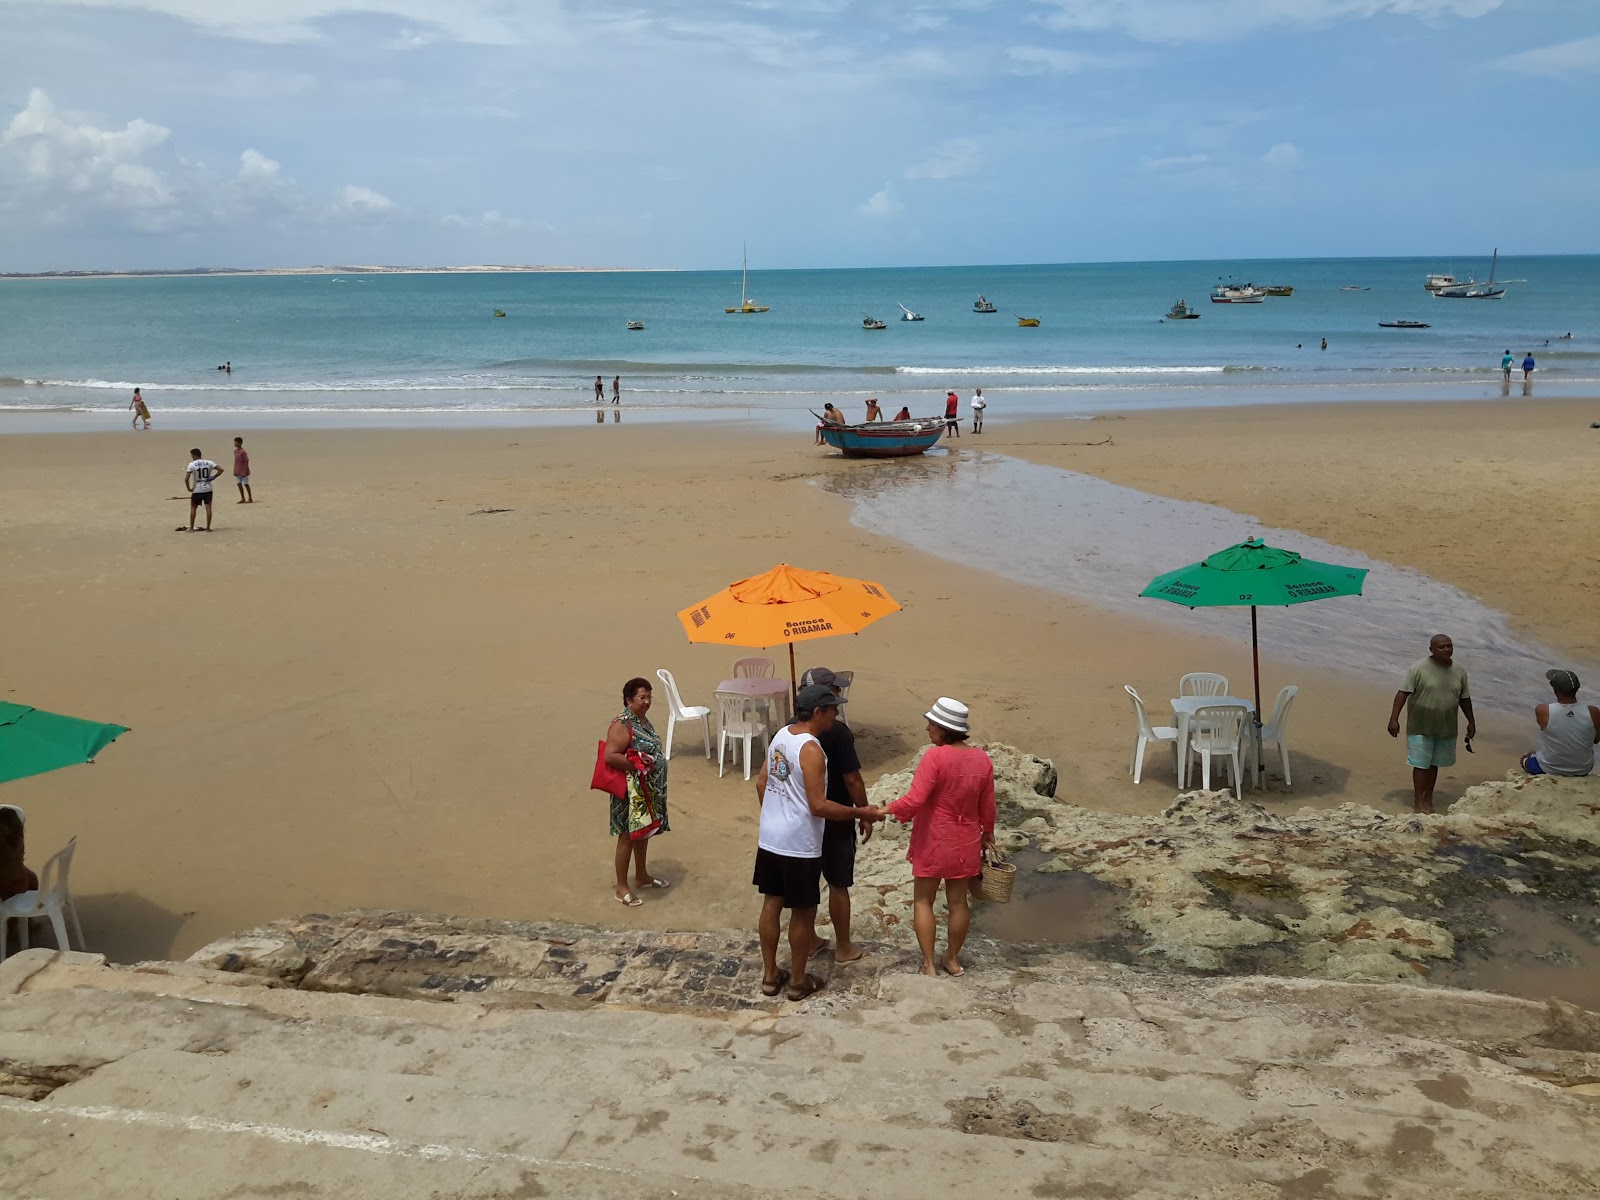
(1101, 542)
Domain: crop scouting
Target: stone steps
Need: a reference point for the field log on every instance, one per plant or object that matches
(193, 1083)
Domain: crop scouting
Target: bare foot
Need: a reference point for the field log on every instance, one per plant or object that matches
(1423, 806)
(929, 970)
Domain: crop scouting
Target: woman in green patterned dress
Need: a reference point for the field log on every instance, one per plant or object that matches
(634, 748)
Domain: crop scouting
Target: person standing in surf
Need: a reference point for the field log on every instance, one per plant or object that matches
(140, 412)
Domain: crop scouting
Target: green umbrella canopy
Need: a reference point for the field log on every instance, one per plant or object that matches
(33, 741)
(1255, 574)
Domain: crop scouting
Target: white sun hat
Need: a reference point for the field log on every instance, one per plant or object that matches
(952, 714)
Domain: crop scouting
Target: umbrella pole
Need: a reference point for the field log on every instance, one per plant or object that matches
(794, 682)
(1255, 663)
(1255, 660)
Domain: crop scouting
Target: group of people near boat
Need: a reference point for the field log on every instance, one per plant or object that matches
(814, 812)
(831, 415)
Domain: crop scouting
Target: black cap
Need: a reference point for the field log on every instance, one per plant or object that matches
(817, 695)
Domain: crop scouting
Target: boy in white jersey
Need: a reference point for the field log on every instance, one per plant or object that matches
(792, 792)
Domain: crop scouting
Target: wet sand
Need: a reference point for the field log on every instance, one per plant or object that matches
(364, 691)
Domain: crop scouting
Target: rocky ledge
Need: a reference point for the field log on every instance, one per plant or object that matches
(1212, 884)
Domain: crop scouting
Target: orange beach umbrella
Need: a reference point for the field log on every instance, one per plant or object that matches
(787, 604)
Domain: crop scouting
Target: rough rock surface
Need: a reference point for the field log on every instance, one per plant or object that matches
(1213, 884)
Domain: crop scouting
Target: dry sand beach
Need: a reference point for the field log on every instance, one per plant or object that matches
(364, 690)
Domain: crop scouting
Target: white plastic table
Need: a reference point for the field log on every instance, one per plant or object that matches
(1183, 708)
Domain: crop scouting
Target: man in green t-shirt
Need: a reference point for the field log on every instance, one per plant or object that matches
(1435, 687)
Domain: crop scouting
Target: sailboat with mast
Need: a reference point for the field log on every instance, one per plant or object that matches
(746, 305)
(1472, 289)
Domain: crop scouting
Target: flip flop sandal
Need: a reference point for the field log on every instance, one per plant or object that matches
(811, 987)
(654, 883)
(954, 973)
(630, 900)
(776, 986)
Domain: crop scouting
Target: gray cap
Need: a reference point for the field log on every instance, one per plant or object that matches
(817, 695)
(1562, 680)
(823, 676)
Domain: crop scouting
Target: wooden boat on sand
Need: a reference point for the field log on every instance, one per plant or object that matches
(884, 439)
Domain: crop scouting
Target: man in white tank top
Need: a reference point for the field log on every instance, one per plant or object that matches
(792, 792)
(1568, 731)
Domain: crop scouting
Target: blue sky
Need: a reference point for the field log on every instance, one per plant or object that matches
(177, 133)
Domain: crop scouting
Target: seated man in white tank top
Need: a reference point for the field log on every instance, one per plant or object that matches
(1568, 731)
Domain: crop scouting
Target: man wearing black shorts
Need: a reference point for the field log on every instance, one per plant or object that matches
(198, 480)
(792, 793)
(839, 837)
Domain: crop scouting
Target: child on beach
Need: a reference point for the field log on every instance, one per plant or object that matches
(241, 471)
(140, 412)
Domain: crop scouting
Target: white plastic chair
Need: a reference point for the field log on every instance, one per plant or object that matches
(754, 668)
(677, 711)
(735, 720)
(1203, 683)
(1273, 731)
(52, 900)
(1219, 730)
(1149, 733)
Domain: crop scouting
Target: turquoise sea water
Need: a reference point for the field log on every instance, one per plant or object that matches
(353, 348)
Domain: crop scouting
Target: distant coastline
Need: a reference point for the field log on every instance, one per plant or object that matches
(320, 270)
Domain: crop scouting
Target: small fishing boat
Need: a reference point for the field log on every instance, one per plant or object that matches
(1277, 289)
(873, 323)
(1436, 281)
(1182, 312)
(980, 305)
(499, 312)
(1472, 289)
(1404, 325)
(746, 305)
(1237, 293)
(884, 439)
(1351, 287)
(907, 315)
(1027, 322)
(635, 324)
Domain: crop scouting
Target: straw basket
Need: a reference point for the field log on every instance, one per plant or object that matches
(998, 878)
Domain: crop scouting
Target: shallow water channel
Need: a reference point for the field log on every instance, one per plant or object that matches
(1103, 543)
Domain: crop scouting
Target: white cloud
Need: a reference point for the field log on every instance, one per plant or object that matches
(1042, 60)
(490, 221)
(1582, 55)
(63, 154)
(957, 157)
(363, 201)
(64, 170)
(486, 22)
(882, 204)
(1220, 20)
(1176, 162)
(1282, 155)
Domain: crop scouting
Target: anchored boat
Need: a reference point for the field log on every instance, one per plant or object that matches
(746, 305)
(873, 323)
(1472, 289)
(1182, 312)
(635, 324)
(980, 305)
(1404, 325)
(907, 315)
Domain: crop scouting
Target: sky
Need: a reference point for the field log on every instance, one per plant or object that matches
(161, 134)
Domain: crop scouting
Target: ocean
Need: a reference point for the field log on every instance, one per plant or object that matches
(420, 348)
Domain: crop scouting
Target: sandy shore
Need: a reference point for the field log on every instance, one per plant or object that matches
(363, 691)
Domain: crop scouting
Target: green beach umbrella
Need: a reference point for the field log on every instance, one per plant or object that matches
(1255, 574)
(33, 741)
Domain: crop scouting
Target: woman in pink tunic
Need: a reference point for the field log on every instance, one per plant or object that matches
(951, 810)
